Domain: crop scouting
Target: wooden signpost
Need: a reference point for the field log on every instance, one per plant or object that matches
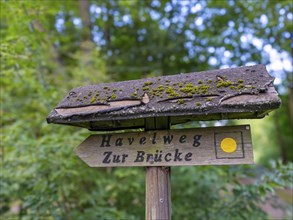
(155, 104)
(199, 146)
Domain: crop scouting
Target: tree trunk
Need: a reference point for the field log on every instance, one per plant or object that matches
(84, 6)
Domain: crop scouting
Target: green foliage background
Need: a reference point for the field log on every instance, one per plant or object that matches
(48, 47)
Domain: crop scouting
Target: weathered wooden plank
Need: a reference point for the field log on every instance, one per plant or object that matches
(158, 182)
(244, 92)
(200, 146)
(158, 193)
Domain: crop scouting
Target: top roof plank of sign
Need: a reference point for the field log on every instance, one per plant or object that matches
(235, 93)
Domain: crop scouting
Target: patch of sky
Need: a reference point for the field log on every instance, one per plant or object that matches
(98, 36)
(199, 21)
(258, 43)
(189, 35)
(286, 34)
(231, 24)
(240, 29)
(154, 14)
(228, 32)
(202, 58)
(196, 8)
(150, 58)
(227, 41)
(109, 53)
(224, 66)
(264, 20)
(191, 52)
(188, 45)
(222, 11)
(98, 10)
(178, 30)
(118, 22)
(77, 22)
(212, 61)
(281, 19)
(250, 63)
(211, 49)
(231, 2)
(127, 19)
(140, 38)
(184, 2)
(221, 123)
(180, 27)
(184, 10)
(243, 58)
(267, 31)
(92, 8)
(168, 7)
(60, 22)
(155, 3)
(228, 54)
(282, 11)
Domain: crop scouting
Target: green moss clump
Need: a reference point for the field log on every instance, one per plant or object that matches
(253, 87)
(233, 87)
(113, 96)
(93, 99)
(199, 82)
(240, 80)
(210, 81)
(223, 83)
(171, 92)
(106, 87)
(180, 85)
(188, 88)
(198, 104)
(209, 99)
(114, 90)
(134, 94)
(240, 86)
(180, 101)
(146, 88)
(147, 83)
(161, 88)
(203, 89)
(155, 92)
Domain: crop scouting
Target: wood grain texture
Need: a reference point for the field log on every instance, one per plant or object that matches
(243, 92)
(158, 193)
(200, 146)
(158, 181)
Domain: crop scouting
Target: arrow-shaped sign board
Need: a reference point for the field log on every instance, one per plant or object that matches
(200, 146)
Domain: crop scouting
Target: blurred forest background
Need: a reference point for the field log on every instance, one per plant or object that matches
(48, 47)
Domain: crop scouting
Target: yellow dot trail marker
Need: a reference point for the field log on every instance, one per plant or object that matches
(228, 145)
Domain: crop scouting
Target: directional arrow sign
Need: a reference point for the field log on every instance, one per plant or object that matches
(200, 146)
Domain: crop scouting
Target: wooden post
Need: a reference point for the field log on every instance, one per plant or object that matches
(158, 187)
